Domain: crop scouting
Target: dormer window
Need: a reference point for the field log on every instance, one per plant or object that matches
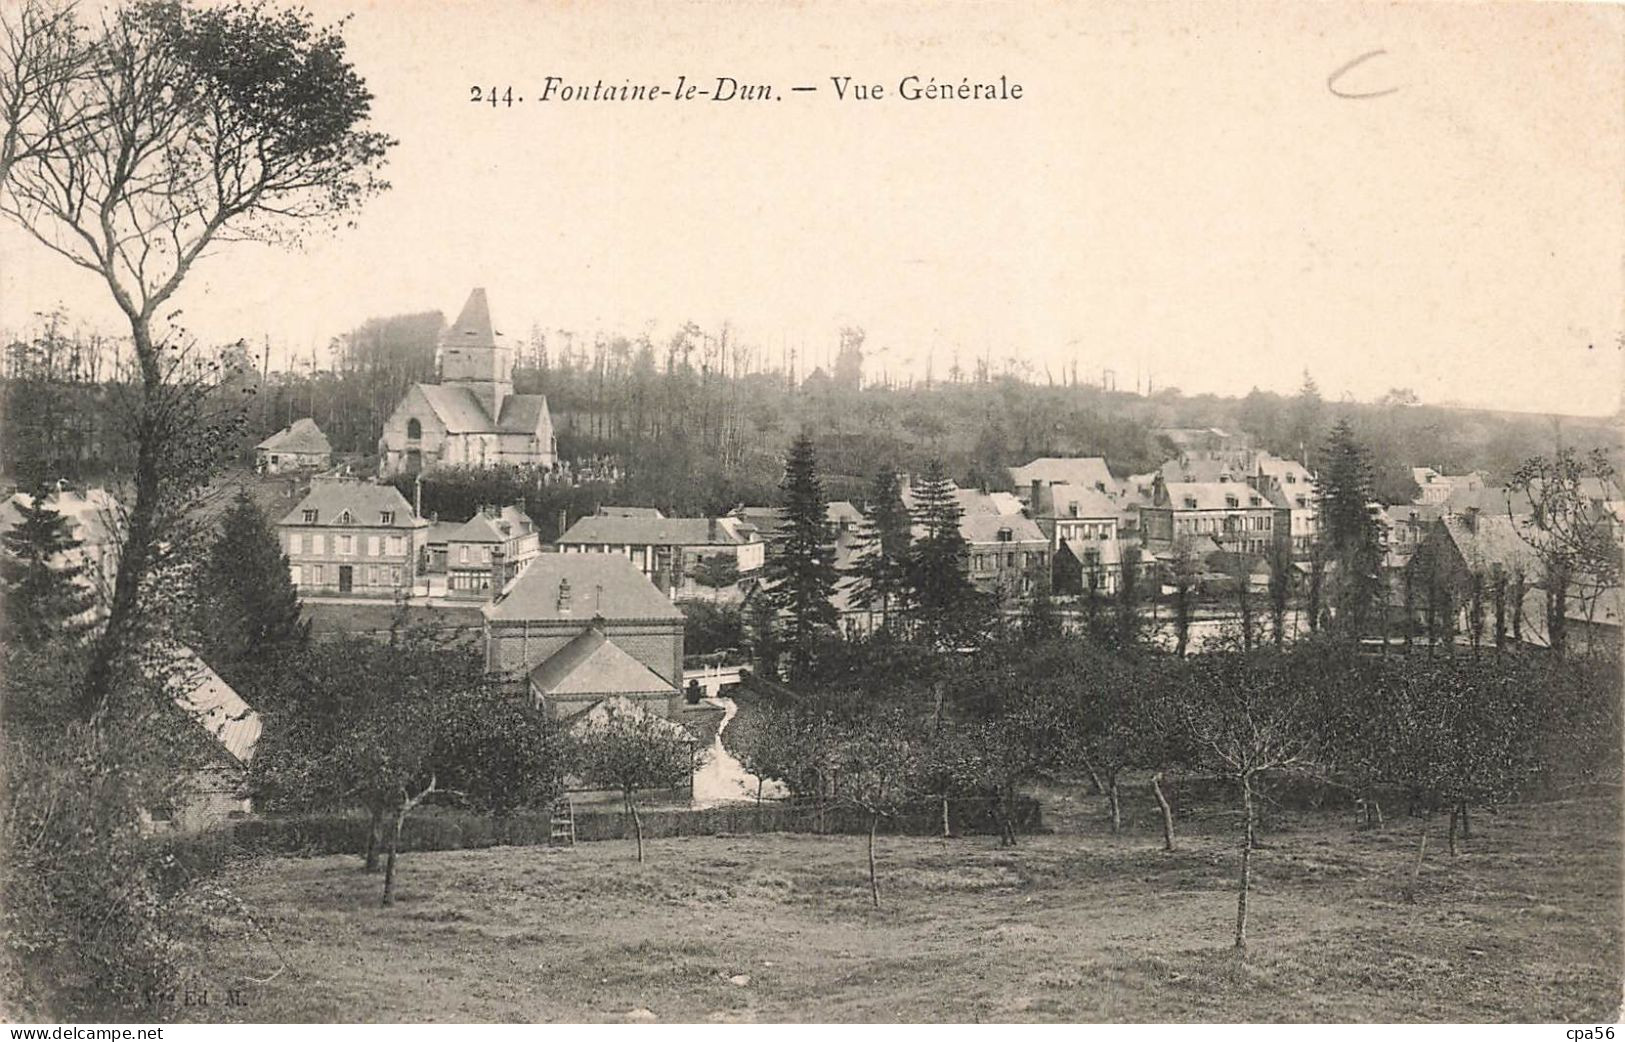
(386, 517)
(1291, 479)
(310, 517)
(346, 518)
(1231, 501)
(1006, 535)
(1190, 502)
(1072, 508)
(1254, 501)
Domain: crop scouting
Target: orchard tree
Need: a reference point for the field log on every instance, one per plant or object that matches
(630, 751)
(1247, 716)
(189, 126)
(880, 759)
(1571, 531)
(800, 573)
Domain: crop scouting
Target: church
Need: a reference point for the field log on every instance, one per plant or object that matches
(471, 417)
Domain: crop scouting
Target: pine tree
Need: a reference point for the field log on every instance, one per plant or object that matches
(881, 570)
(1349, 530)
(800, 573)
(46, 591)
(945, 602)
(248, 608)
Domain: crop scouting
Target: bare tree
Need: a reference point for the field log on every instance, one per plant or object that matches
(187, 128)
(42, 57)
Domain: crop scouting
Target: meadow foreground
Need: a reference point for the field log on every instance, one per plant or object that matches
(1524, 925)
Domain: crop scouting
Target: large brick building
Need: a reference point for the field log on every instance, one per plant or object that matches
(549, 610)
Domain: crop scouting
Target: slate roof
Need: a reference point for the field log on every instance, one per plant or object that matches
(1198, 471)
(1487, 500)
(473, 325)
(606, 584)
(598, 530)
(1212, 495)
(985, 528)
(630, 511)
(1065, 470)
(1280, 469)
(462, 412)
(840, 510)
(483, 528)
(301, 436)
(592, 664)
(214, 706)
(440, 531)
(1056, 501)
(364, 500)
(1490, 541)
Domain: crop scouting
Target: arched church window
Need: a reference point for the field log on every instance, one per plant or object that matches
(414, 429)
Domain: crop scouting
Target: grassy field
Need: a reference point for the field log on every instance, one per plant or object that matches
(1074, 926)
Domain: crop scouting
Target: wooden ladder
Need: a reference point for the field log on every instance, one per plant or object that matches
(563, 823)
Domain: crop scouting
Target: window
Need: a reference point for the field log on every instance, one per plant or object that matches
(1291, 479)
(318, 543)
(1190, 502)
(310, 517)
(1254, 501)
(346, 545)
(386, 517)
(462, 554)
(294, 574)
(414, 429)
(294, 542)
(1006, 535)
(346, 519)
(1231, 501)
(1010, 560)
(372, 546)
(397, 545)
(315, 575)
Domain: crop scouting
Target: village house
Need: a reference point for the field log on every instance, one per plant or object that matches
(1085, 523)
(485, 552)
(215, 790)
(840, 517)
(95, 519)
(1236, 516)
(1468, 552)
(1289, 485)
(1433, 487)
(669, 550)
(297, 447)
(471, 417)
(353, 538)
(1006, 553)
(1084, 472)
(575, 629)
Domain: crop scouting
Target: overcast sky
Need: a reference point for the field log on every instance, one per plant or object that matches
(1177, 192)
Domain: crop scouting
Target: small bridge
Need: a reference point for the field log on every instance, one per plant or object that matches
(712, 679)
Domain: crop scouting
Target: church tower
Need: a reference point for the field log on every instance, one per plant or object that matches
(470, 356)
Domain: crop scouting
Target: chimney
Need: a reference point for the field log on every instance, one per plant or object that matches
(417, 496)
(499, 570)
(1037, 502)
(564, 597)
(1471, 516)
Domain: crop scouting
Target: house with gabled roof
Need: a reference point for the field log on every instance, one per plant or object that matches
(215, 786)
(1086, 523)
(1238, 517)
(472, 416)
(1078, 471)
(485, 552)
(353, 538)
(299, 446)
(667, 549)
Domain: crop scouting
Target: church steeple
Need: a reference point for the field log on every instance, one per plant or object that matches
(471, 356)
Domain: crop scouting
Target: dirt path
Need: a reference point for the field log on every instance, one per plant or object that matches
(722, 778)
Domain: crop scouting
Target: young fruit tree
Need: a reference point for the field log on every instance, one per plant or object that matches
(1249, 715)
(879, 761)
(622, 748)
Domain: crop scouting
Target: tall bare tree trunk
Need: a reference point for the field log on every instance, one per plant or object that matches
(1114, 799)
(874, 883)
(394, 845)
(947, 829)
(1167, 811)
(1246, 861)
(375, 828)
(637, 823)
(1421, 853)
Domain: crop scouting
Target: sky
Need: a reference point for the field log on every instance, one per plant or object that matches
(1183, 193)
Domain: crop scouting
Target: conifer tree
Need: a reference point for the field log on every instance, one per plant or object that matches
(885, 540)
(1349, 530)
(800, 573)
(47, 596)
(945, 602)
(248, 608)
